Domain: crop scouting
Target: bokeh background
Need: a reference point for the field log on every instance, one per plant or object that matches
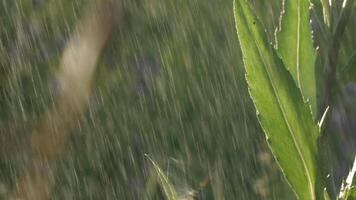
(169, 84)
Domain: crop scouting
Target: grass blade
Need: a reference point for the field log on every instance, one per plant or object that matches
(168, 189)
(348, 188)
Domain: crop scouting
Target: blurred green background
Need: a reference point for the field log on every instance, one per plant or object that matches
(169, 84)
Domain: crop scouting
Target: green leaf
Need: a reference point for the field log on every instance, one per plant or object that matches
(284, 117)
(326, 12)
(348, 190)
(351, 194)
(326, 195)
(168, 189)
(295, 47)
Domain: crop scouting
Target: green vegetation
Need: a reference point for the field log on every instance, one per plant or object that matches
(283, 104)
(170, 84)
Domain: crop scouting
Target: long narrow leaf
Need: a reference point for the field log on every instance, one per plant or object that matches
(348, 188)
(295, 47)
(284, 117)
(326, 12)
(168, 189)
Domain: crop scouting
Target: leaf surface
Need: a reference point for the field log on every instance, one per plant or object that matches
(295, 47)
(284, 117)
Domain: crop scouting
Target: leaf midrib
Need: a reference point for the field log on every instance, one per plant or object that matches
(298, 47)
(311, 188)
